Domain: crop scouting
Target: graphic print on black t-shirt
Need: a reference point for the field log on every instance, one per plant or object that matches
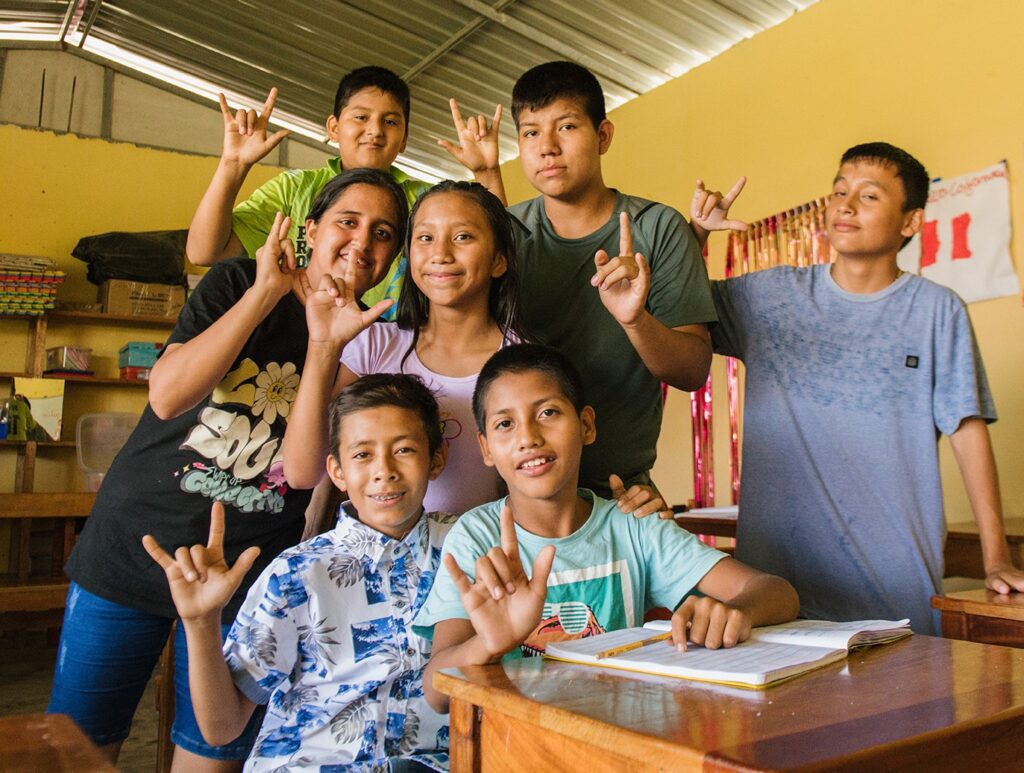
(235, 434)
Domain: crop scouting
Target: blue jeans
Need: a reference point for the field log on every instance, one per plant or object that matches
(106, 656)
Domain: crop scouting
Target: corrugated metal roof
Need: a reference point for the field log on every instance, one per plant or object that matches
(469, 49)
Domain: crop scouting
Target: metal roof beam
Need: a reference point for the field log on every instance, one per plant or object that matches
(461, 34)
(534, 34)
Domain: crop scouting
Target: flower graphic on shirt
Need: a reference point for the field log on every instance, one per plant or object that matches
(275, 391)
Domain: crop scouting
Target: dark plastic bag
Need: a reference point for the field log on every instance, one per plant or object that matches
(148, 256)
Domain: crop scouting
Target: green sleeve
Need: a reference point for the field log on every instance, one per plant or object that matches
(680, 294)
(251, 220)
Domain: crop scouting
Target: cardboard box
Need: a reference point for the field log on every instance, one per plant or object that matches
(141, 299)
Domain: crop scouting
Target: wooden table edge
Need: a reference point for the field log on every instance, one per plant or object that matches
(620, 741)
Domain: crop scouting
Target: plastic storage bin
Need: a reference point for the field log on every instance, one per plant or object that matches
(99, 437)
(138, 354)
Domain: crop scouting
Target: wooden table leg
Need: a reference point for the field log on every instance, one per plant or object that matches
(464, 737)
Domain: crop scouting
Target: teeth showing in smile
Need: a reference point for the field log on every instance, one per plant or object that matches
(386, 499)
(535, 462)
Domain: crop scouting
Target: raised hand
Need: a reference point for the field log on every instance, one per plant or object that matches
(200, 579)
(710, 209)
(504, 605)
(275, 260)
(333, 314)
(245, 132)
(477, 147)
(623, 281)
(707, 621)
(639, 500)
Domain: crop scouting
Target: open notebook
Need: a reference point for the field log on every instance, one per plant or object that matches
(771, 654)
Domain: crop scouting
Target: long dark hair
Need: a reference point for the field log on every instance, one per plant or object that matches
(503, 295)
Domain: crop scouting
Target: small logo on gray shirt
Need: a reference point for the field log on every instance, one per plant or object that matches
(912, 360)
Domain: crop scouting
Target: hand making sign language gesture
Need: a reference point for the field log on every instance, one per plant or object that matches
(504, 605)
(623, 281)
(333, 313)
(478, 140)
(245, 132)
(477, 147)
(199, 577)
(709, 210)
(275, 260)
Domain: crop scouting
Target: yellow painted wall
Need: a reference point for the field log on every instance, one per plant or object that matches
(943, 79)
(55, 189)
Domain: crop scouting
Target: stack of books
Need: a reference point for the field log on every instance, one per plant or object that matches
(28, 285)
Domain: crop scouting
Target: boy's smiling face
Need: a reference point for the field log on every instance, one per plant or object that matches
(534, 436)
(385, 465)
(370, 130)
(560, 149)
(865, 216)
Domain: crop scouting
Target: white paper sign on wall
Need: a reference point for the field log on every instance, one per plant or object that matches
(964, 243)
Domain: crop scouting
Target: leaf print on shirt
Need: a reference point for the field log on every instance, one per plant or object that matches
(258, 639)
(360, 542)
(316, 642)
(349, 724)
(410, 732)
(276, 388)
(345, 570)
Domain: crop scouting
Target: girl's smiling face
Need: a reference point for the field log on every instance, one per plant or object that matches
(356, 238)
(452, 256)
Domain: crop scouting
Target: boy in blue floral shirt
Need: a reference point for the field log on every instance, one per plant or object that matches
(324, 639)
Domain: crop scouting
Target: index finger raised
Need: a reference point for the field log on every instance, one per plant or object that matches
(224, 108)
(625, 234)
(734, 191)
(268, 106)
(216, 539)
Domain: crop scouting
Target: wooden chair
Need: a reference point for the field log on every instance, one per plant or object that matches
(39, 593)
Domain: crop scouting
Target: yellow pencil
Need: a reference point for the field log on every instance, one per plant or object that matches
(635, 645)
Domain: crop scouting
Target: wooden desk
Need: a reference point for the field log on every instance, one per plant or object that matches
(697, 524)
(982, 616)
(50, 742)
(963, 549)
(921, 704)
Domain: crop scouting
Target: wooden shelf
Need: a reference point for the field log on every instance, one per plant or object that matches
(74, 504)
(115, 319)
(94, 380)
(5, 443)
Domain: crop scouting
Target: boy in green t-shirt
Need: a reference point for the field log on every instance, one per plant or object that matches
(594, 569)
(370, 124)
(583, 248)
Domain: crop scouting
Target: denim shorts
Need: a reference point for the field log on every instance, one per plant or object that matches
(106, 657)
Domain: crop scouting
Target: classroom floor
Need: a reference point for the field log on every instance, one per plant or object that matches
(25, 677)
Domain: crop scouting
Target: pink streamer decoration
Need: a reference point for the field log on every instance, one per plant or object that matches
(703, 461)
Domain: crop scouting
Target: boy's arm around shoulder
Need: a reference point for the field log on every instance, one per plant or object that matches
(972, 447)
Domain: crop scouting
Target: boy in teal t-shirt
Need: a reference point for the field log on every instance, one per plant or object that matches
(595, 568)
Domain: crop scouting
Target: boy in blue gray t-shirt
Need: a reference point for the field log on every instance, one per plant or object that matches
(594, 568)
(852, 371)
